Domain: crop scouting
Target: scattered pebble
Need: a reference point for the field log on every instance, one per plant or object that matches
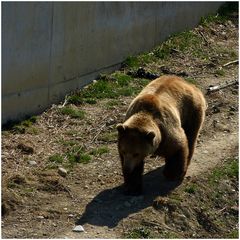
(71, 215)
(25, 148)
(33, 163)
(220, 126)
(40, 217)
(62, 172)
(78, 228)
(111, 121)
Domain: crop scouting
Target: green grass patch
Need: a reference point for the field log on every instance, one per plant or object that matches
(183, 42)
(108, 136)
(32, 130)
(77, 154)
(67, 142)
(77, 99)
(73, 155)
(99, 151)
(74, 99)
(138, 233)
(223, 14)
(78, 158)
(122, 79)
(72, 112)
(90, 100)
(191, 80)
(134, 62)
(56, 158)
(109, 87)
(212, 18)
(72, 132)
(229, 169)
(111, 104)
(233, 234)
(101, 89)
(220, 72)
(191, 189)
(24, 125)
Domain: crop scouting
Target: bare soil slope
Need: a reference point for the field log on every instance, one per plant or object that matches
(40, 201)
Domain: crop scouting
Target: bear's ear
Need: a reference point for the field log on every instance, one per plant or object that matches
(150, 136)
(120, 128)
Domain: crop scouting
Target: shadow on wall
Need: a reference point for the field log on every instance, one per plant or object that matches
(110, 206)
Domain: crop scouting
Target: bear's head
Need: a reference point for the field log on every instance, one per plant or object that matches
(134, 144)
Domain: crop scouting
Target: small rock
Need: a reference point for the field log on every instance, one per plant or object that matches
(33, 163)
(25, 148)
(62, 172)
(205, 151)
(221, 127)
(111, 121)
(65, 209)
(40, 217)
(71, 215)
(78, 228)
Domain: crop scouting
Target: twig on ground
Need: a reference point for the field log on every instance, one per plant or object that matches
(100, 129)
(230, 63)
(68, 191)
(222, 209)
(204, 38)
(164, 225)
(212, 88)
(65, 102)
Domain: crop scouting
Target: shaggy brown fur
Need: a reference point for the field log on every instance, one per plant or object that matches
(164, 119)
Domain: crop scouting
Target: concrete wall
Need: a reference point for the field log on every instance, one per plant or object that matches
(51, 48)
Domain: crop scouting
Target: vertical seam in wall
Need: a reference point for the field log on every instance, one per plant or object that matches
(156, 37)
(155, 29)
(50, 53)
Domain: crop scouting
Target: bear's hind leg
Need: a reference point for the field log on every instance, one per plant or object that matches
(176, 164)
(192, 130)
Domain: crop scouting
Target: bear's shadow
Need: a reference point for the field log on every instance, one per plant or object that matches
(111, 206)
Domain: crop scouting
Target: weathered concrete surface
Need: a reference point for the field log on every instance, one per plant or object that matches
(51, 48)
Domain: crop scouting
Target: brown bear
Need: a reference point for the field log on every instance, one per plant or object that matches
(165, 120)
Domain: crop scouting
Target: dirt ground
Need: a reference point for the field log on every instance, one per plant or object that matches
(38, 201)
